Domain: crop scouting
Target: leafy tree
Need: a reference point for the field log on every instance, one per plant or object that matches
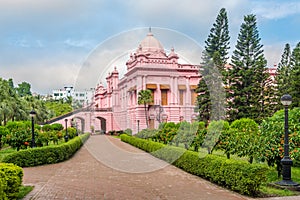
(167, 132)
(186, 133)
(272, 138)
(246, 138)
(214, 131)
(200, 136)
(214, 58)
(247, 79)
(23, 89)
(144, 98)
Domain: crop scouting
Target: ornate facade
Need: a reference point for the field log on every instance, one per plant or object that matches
(172, 86)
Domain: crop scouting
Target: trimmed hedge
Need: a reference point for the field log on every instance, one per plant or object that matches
(239, 176)
(10, 180)
(47, 154)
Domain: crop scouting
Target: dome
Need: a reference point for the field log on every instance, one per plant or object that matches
(150, 43)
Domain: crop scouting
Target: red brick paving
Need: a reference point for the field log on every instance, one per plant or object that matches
(85, 176)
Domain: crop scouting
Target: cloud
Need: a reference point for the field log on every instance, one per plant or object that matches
(276, 10)
(88, 44)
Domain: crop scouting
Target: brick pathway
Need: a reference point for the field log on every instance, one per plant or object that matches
(106, 168)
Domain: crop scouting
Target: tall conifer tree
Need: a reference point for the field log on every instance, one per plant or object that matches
(283, 79)
(247, 79)
(214, 58)
(295, 76)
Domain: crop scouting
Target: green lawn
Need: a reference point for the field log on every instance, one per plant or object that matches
(24, 190)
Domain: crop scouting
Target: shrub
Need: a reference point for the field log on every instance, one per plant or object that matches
(3, 186)
(47, 154)
(146, 133)
(128, 131)
(10, 180)
(236, 175)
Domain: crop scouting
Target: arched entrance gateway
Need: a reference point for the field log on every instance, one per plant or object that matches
(102, 123)
(79, 123)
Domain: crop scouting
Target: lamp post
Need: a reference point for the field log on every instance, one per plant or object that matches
(32, 115)
(138, 123)
(66, 136)
(286, 162)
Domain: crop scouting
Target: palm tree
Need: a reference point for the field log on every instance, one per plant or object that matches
(145, 97)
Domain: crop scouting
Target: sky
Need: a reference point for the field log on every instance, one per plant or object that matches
(49, 43)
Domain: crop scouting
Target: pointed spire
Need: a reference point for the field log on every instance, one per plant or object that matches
(150, 32)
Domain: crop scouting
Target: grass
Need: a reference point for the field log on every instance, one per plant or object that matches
(24, 190)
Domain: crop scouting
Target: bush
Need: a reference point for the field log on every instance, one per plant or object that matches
(10, 180)
(236, 175)
(46, 155)
(128, 131)
(146, 133)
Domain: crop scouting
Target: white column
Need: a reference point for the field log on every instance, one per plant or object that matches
(188, 92)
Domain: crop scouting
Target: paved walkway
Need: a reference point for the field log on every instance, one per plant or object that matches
(106, 168)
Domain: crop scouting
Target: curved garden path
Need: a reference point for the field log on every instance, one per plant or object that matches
(106, 168)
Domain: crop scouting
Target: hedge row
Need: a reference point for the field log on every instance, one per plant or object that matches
(236, 175)
(47, 154)
(10, 180)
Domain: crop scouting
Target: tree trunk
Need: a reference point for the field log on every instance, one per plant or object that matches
(145, 106)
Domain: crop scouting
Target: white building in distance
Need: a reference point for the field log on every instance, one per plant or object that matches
(82, 98)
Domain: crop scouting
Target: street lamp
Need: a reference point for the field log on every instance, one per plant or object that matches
(138, 123)
(32, 115)
(286, 162)
(66, 136)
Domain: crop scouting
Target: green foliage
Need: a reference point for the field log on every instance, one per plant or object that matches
(186, 133)
(200, 136)
(23, 89)
(215, 56)
(10, 180)
(128, 131)
(295, 76)
(71, 132)
(216, 137)
(19, 135)
(146, 133)
(58, 108)
(217, 43)
(272, 138)
(167, 132)
(283, 72)
(146, 145)
(144, 98)
(16, 103)
(57, 127)
(246, 137)
(238, 176)
(247, 80)
(3, 132)
(46, 155)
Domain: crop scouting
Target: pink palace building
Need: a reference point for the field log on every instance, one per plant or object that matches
(172, 85)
